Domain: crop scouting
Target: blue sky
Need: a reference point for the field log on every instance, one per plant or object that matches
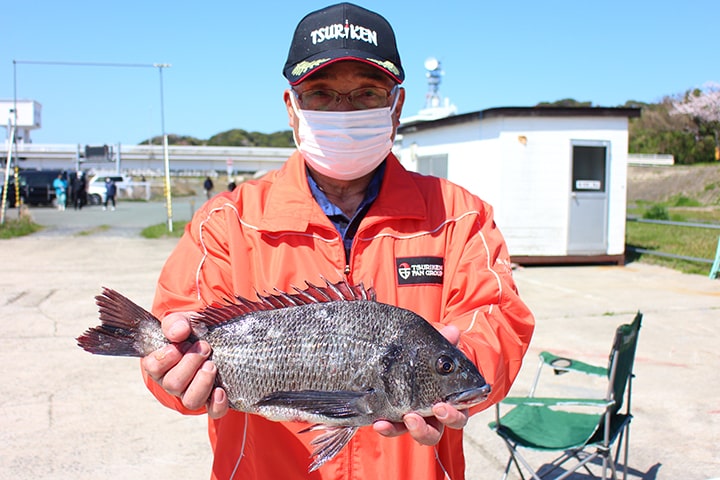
(227, 58)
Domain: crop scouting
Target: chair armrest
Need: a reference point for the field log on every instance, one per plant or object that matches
(563, 365)
(551, 402)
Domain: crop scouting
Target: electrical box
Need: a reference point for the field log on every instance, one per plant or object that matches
(28, 113)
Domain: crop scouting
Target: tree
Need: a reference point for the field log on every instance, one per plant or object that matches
(242, 138)
(173, 140)
(703, 106)
(565, 102)
(657, 131)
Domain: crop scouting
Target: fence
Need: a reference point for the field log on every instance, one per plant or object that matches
(715, 262)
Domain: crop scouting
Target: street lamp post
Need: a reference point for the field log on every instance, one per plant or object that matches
(166, 156)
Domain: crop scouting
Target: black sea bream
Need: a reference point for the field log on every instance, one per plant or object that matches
(331, 356)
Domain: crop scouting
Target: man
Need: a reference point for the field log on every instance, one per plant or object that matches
(208, 187)
(342, 206)
(110, 191)
(60, 186)
(78, 190)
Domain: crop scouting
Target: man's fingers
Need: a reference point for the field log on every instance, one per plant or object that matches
(389, 429)
(425, 431)
(179, 378)
(200, 388)
(451, 333)
(157, 364)
(449, 416)
(176, 326)
(183, 368)
(218, 404)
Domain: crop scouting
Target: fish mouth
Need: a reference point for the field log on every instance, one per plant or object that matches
(468, 398)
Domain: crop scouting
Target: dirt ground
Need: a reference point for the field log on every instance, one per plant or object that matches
(659, 184)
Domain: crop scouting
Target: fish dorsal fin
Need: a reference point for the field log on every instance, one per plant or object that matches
(332, 292)
(219, 313)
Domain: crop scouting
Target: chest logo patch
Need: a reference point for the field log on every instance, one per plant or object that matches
(419, 270)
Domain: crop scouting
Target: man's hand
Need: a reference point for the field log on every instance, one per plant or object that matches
(183, 369)
(428, 430)
(425, 430)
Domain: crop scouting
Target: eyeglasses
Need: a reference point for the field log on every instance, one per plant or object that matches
(361, 98)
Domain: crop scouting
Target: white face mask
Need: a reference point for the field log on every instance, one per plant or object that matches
(344, 145)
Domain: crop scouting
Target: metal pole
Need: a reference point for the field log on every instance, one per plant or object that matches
(168, 194)
(15, 92)
(7, 175)
(13, 142)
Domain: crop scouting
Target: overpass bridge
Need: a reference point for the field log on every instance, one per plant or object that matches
(149, 159)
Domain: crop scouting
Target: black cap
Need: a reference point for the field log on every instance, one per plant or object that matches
(342, 32)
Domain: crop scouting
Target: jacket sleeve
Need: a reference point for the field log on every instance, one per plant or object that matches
(195, 274)
(483, 302)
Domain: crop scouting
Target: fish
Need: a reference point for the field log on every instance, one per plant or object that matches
(331, 356)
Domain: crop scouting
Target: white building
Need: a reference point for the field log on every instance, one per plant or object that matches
(556, 177)
(25, 114)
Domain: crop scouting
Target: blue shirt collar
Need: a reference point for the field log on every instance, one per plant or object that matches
(330, 209)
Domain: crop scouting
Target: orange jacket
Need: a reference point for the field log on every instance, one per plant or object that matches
(425, 245)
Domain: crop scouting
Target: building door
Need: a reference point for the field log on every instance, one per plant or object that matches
(587, 232)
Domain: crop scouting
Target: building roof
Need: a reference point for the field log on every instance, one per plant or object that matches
(520, 112)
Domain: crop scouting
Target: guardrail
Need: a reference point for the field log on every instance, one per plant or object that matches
(715, 262)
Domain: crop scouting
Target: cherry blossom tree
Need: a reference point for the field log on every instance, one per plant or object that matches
(703, 105)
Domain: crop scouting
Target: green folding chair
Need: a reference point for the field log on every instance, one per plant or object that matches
(561, 425)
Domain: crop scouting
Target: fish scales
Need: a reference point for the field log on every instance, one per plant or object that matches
(329, 351)
(331, 356)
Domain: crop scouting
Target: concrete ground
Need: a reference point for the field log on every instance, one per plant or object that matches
(65, 414)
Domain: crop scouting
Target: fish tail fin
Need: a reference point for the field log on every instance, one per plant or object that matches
(126, 329)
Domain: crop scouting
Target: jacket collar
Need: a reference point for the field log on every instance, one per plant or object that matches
(291, 207)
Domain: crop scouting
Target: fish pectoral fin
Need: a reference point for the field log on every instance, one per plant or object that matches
(333, 404)
(329, 443)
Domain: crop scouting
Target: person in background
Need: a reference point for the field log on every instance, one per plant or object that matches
(342, 207)
(60, 186)
(110, 191)
(79, 186)
(208, 186)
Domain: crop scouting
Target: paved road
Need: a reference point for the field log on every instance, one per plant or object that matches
(128, 219)
(65, 414)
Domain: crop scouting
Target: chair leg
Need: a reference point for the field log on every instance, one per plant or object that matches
(608, 459)
(627, 449)
(623, 436)
(516, 457)
(507, 468)
(513, 460)
(581, 464)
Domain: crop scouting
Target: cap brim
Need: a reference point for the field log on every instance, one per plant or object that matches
(300, 71)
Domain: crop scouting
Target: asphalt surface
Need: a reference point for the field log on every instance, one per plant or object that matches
(65, 414)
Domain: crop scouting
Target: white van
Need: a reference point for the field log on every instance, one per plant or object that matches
(96, 186)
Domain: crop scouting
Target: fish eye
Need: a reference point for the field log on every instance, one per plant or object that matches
(445, 365)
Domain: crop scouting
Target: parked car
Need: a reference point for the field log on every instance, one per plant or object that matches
(35, 187)
(96, 186)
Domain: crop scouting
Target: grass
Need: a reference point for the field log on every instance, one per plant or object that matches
(18, 228)
(686, 241)
(161, 230)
